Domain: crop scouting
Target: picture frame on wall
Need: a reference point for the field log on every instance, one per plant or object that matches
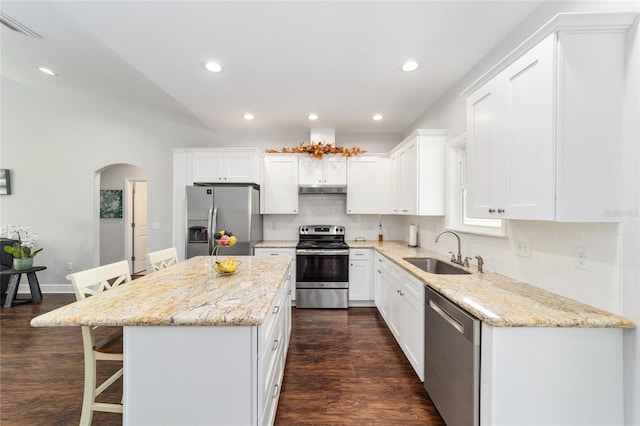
(5, 182)
(110, 204)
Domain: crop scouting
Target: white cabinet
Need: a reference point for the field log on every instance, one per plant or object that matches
(330, 170)
(225, 166)
(291, 252)
(381, 284)
(412, 341)
(417, 174)
(360, 277)
(544, 139)
(279, 193)
(396, 302)
(367, 186)
(399, 297)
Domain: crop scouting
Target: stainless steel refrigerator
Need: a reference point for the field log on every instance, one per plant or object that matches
(229, 207)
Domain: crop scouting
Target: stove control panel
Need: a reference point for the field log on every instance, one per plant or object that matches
(321, 230)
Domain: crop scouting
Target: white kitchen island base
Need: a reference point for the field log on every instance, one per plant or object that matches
(190, 375)
(551, 376)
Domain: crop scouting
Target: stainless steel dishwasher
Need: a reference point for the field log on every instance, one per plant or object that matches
(452, 360)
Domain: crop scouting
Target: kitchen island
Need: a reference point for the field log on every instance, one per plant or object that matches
(199, 347)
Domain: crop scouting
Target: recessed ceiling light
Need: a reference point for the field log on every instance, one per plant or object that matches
(212, 66)
(312, 116)
(409, 66)
(47, 71)
(377, 117)
(248, 116)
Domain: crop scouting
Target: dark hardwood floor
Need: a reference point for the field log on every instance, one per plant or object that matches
(343, 368)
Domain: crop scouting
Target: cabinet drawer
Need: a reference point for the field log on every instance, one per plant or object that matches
(359, 254)
(272, 393)
(275, 252)
(272, 354)
(414, 287)
(381, 263)
(269, 328)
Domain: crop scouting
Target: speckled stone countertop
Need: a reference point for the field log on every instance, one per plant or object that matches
(493, 298)
(189, 293)
(498, 300)
(276, 244)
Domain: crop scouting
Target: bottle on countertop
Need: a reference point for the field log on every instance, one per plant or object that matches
(380, 237)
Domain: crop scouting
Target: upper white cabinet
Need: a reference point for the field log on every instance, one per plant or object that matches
(331, 170)
(279, 194)
(225, 166)
(367, 186)
(544, 139)
(417, 175)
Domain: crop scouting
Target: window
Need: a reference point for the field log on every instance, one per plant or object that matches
(457, 218)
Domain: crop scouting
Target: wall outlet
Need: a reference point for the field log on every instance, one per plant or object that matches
(69, 266)
(155, 225)
(522, 248)
(582, 258)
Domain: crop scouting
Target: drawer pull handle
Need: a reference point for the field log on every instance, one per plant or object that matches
(276, 343)
(275, 254)
(276, 310)
(275, 391)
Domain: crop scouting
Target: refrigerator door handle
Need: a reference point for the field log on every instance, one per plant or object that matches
(213, 216)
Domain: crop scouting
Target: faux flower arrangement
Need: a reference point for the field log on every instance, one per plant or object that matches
(22, 251)
(318, 150)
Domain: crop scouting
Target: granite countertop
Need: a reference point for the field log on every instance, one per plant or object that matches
(498, 300)
(189, 293)
(276, 244)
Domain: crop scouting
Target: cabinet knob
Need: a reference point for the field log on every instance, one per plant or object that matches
(500, 210)
(492, 210)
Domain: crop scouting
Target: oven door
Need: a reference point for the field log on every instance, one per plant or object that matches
(317, 266)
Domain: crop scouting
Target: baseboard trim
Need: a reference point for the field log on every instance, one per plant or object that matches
(23, 288)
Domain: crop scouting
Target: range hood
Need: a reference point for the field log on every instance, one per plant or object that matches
(322, 189)
(323, 136)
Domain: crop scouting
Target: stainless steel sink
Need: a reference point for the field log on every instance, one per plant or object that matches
(434, 266)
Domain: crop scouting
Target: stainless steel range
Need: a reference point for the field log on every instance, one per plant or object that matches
(322, 267)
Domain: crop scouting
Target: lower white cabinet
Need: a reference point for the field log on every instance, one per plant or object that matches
(207, 374)
(400, 300)
(360, 277)
(381, 284)
(291, 252)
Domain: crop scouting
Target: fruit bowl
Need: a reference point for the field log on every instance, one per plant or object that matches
(226, 267)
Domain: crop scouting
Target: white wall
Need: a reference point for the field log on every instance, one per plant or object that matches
(54, 144)
(613, 281)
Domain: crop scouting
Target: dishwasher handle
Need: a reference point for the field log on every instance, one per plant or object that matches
(448, 318)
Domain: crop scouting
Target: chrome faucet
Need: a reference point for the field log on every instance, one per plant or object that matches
(480, 263)
(454, 258)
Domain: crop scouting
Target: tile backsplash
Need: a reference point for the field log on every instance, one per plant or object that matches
(550, 263)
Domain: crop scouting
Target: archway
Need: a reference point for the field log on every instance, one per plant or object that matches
(121, 215)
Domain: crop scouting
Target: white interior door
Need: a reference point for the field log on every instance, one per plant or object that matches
(139, 226)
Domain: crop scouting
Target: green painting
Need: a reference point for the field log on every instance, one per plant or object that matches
(111, 204)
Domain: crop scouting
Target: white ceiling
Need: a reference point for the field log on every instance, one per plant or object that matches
(282, 60)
